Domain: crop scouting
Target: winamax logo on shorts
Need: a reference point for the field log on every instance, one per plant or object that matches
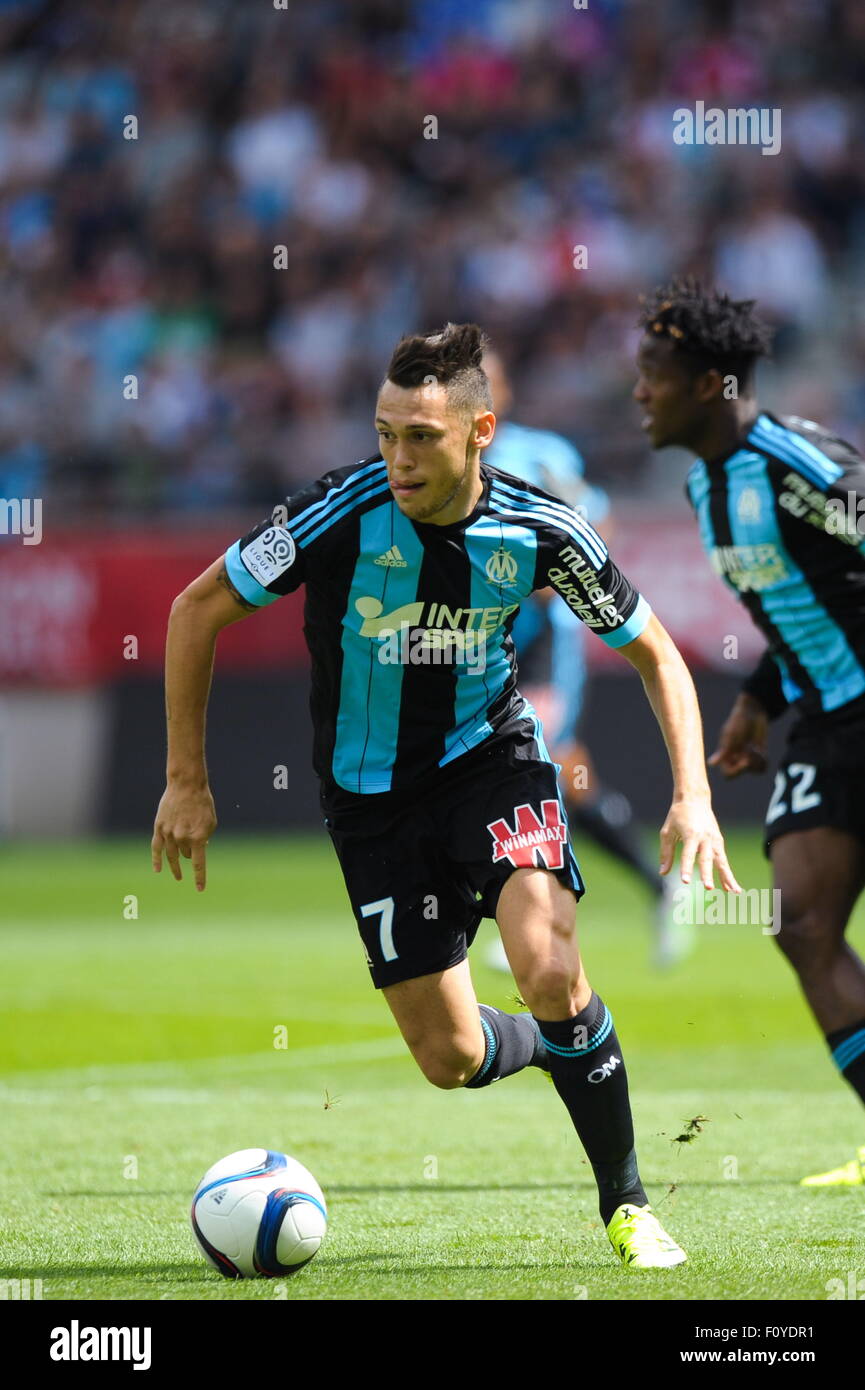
(534, 841)
(739, 125)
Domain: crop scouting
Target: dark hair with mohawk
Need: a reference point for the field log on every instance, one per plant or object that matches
(453, 356)
(707, 327)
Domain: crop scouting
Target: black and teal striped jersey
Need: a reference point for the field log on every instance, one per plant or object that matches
(408, 624)
(778, 519)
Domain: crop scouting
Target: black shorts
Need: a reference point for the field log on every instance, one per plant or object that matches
(821, 777)
(422, 875)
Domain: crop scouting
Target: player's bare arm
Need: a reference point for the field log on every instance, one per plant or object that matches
(742, 742)
(691, 820)
(186, 817)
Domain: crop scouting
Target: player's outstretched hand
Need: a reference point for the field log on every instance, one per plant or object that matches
(743, 738)
(693, 824)
(185, 821)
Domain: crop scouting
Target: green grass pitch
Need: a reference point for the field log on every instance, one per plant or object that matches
(138, 1049)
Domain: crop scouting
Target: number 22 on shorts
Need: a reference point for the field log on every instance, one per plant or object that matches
(801, 777)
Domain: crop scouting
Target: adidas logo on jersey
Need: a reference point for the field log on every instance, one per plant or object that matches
(391, 559)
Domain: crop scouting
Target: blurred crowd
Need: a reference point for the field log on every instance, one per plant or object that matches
(217, 217)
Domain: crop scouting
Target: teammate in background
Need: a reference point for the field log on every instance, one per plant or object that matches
(773, 502)
(551, 660)
(438, 793)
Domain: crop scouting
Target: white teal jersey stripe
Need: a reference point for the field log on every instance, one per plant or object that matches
(371, 475)
(789, 601)
(794, 449)
(519, 499)
(503, 558)
(375, 488)
(548, 461)
(382, 601)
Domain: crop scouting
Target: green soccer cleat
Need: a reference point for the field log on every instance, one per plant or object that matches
(850, 1174)
(640, 1240)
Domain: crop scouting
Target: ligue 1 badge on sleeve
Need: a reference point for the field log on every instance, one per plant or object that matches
(270, 554)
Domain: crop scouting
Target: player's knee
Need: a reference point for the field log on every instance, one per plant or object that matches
(549, 987)
(448, 1068)
(807, 938)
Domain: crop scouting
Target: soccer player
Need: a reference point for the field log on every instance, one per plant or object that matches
(437, 790)
(777, 500)
(550, 648)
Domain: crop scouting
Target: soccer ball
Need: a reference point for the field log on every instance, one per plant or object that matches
(257, 1212)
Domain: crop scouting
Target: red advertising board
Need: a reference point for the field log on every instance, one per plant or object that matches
(69, 606)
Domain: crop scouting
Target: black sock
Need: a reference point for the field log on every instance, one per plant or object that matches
(513, 1042)
(847, 1046)
(608, 821)
(585, 1062)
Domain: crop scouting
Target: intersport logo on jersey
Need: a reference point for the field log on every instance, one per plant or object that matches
(438, 616)
(431, 634)
(749, 567)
